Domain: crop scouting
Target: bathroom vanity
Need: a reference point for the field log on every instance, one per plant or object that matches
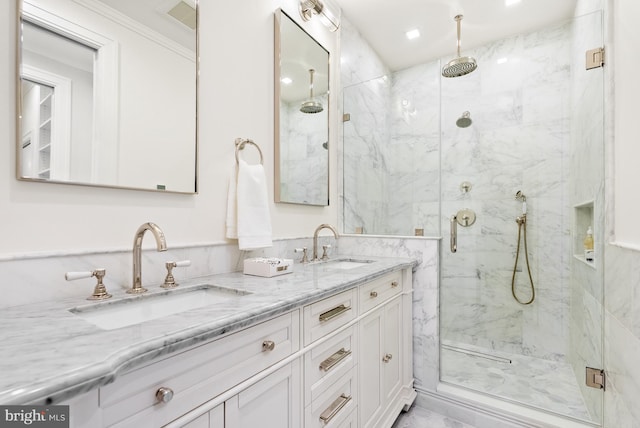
(328, 345)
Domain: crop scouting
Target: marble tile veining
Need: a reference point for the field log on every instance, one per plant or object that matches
(417, 417)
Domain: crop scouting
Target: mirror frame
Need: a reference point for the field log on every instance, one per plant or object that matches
(279, 15)
(18, 140)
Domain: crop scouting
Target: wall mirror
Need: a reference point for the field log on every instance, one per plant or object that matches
(107, 93)
(301, 115)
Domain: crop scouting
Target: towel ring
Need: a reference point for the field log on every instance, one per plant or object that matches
(240, 143)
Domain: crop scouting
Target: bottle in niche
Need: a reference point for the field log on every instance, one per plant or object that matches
(588, 245)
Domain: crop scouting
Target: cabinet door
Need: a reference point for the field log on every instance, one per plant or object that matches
(371, 330)
(380, 361)
(273, 402)
(213, 419)
(391, 354)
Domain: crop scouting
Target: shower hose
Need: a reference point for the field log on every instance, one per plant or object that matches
(522, 226)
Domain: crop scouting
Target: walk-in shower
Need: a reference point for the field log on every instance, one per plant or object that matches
(537, 127)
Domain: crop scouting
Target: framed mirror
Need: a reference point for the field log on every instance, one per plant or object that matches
(301, 115)
(107, 93)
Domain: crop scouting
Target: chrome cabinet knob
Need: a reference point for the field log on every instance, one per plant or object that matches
(387, 358)
(394, 284)
(373, 294)
(268, 345)
(164, 394)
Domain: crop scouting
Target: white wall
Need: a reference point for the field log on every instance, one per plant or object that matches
(627, 148)
(236, 100)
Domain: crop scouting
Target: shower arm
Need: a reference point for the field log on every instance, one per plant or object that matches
(458, 18)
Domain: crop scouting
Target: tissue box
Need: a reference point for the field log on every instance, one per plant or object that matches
(267, 267)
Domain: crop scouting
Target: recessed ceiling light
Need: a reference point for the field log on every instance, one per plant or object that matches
(511, 2)
(286, 80)
(502, 60)
(413, 34)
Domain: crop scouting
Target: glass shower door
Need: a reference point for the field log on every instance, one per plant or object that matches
(530, 166)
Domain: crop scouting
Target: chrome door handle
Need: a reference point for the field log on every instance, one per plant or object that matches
(334, 408)
(334, 359)
(268, 345)
(338, 310)
(453, 241)
(164, 394)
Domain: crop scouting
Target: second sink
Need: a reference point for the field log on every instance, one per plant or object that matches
(131, 311)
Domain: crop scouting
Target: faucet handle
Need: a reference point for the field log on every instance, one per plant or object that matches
(302, 250)
(169, 280)
(325, 248)
(100, 291)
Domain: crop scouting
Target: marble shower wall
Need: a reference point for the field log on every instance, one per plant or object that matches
(304, 174)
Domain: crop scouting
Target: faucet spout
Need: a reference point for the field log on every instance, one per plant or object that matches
(315, 238)
(137, 253)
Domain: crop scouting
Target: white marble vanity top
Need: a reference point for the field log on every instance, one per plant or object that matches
(49, 354)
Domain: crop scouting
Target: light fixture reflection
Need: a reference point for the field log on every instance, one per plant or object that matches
(329, 14)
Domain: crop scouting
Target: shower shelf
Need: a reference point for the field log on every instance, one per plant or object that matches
(581, 258)
(583, 219)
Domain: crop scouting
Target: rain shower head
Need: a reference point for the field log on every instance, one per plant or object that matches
(311, 105)
(461, 65)
(464, 121)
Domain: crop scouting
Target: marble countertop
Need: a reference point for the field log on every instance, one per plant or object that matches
(49, 354)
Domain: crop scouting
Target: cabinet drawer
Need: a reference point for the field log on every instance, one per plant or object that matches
(329, 314)
(379, 290)
(334, 406)
(327, 363)
(199, 374)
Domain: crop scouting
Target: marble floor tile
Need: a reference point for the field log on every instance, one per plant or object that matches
(535, 382)
(417, 417)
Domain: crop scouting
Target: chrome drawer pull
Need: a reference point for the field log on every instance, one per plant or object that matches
(334, 408)
(339, 310)
(268, 345)
(387, 358)
(164, 394)
(334, 359)
(373, 294)
(394, 284)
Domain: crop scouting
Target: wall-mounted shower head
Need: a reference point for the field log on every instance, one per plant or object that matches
(464, 121)
(461, 65)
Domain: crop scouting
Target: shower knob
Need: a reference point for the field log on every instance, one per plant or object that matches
(466, 217)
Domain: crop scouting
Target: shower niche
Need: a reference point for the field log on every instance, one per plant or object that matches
(583, 221)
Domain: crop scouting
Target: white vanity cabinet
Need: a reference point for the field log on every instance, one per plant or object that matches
(385, 343)
(342, 361)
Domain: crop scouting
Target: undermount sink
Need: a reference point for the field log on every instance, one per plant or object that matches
(344, 264)
(139, 309)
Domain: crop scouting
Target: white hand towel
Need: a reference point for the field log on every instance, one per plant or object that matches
(253, 220)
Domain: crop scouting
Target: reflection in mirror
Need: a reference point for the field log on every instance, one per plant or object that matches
(301, 115)
(108, 93)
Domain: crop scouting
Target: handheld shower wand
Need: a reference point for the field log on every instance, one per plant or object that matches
(522, 227)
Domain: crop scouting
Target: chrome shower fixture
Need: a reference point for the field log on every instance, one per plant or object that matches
(311, 105)
(464, 121)
(461, 65)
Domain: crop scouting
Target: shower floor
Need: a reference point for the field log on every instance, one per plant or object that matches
(544, 384)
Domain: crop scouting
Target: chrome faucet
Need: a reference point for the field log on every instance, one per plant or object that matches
(315, 238)
(137, 254)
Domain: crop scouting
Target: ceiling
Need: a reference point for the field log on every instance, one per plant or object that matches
(384, 24)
